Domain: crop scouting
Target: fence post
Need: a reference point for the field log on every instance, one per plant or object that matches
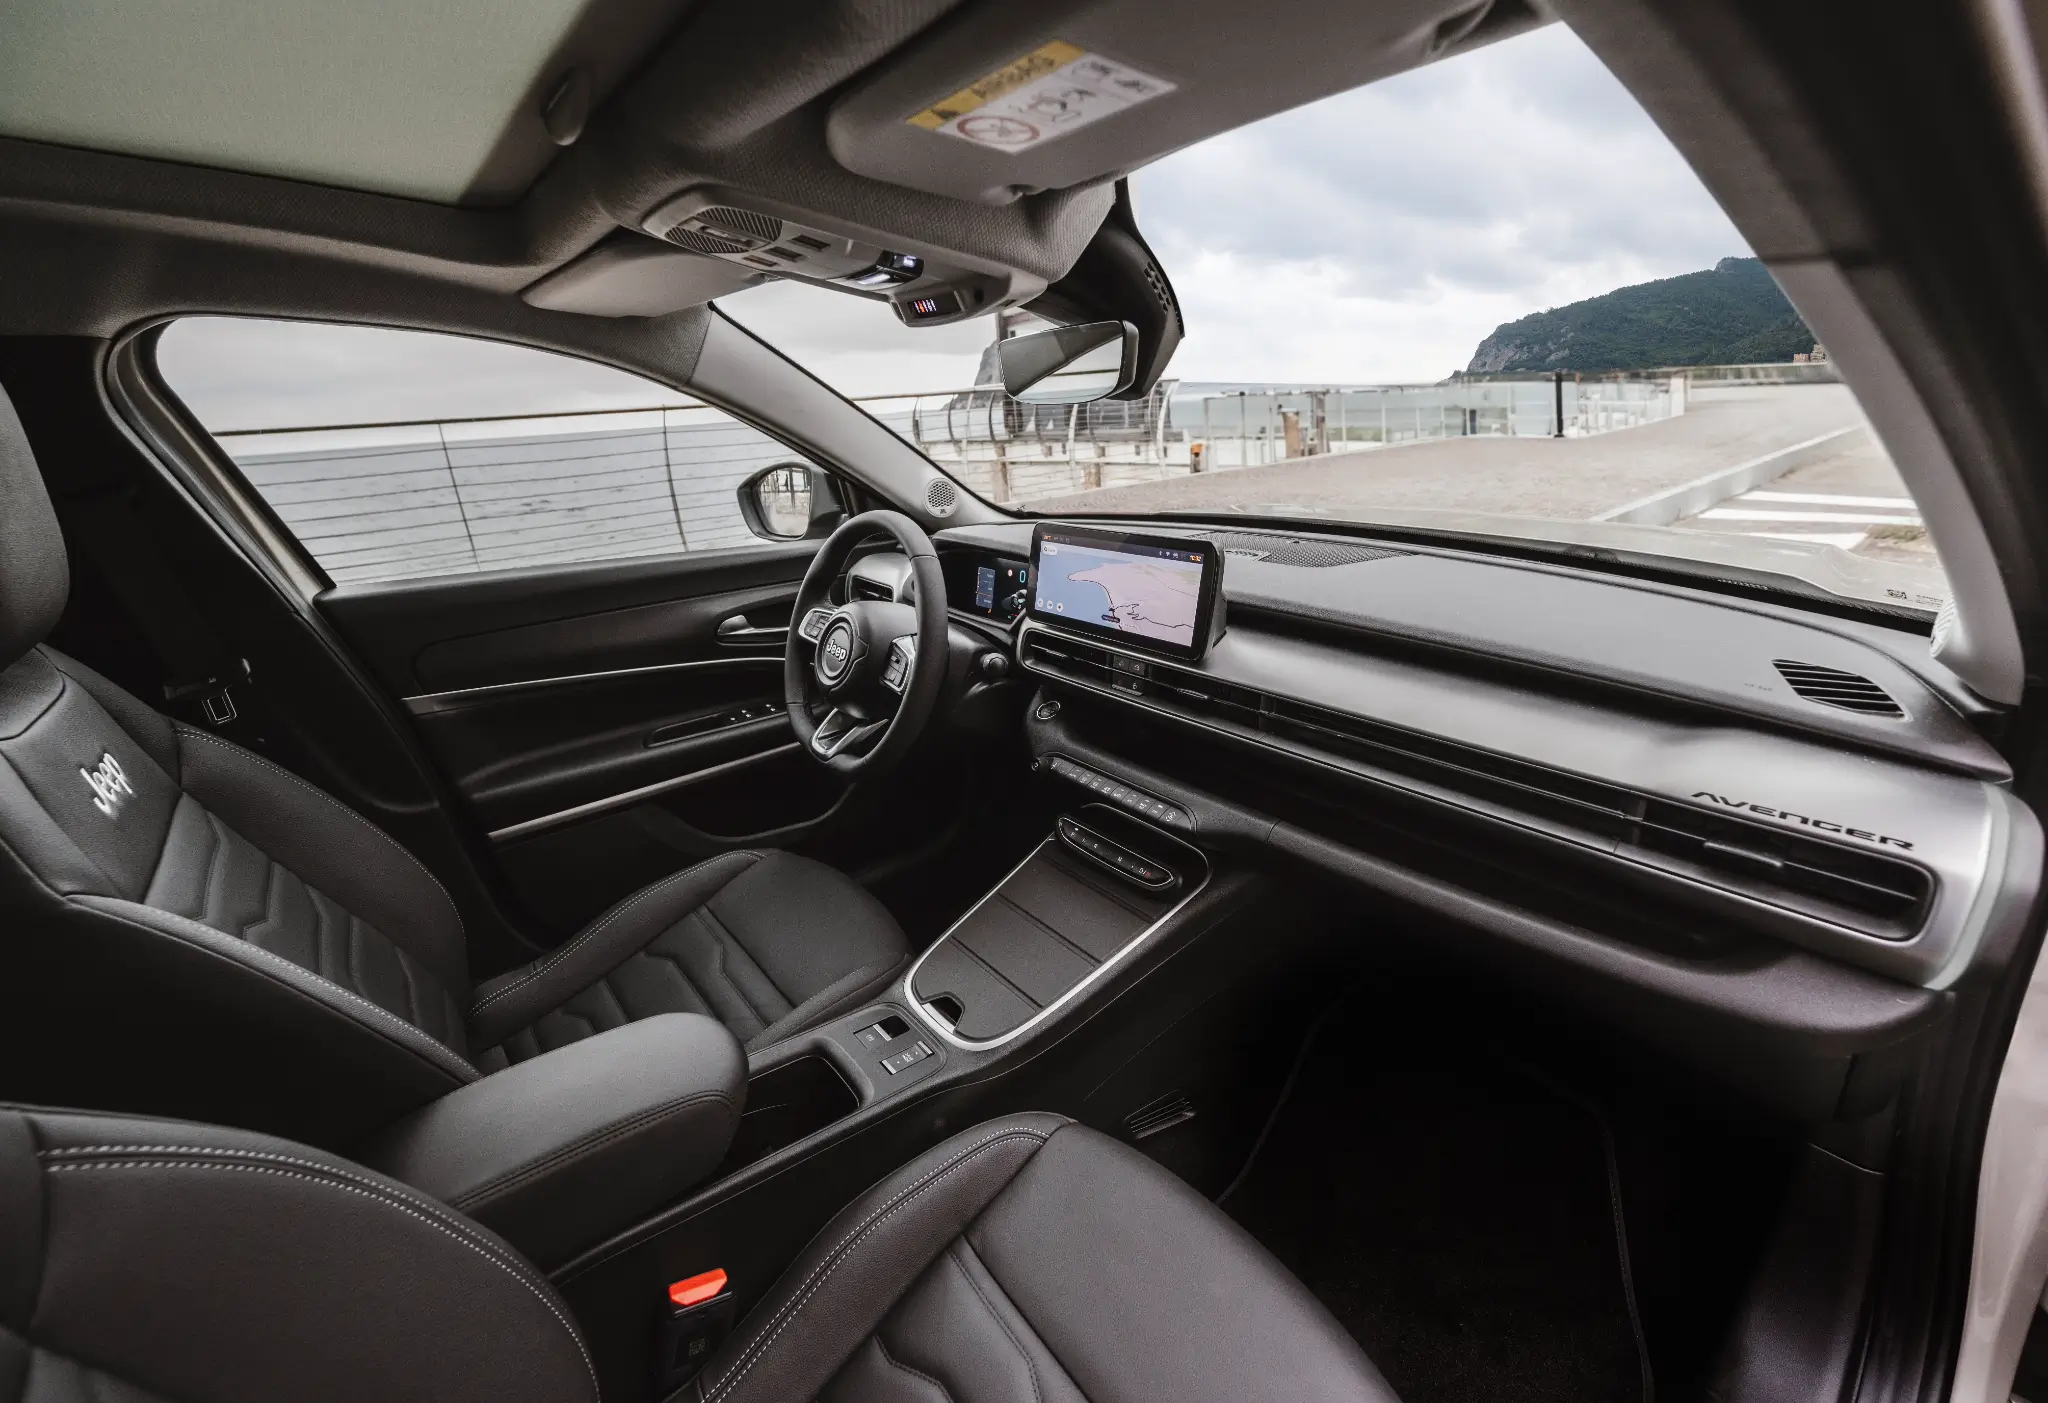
(1557, 402)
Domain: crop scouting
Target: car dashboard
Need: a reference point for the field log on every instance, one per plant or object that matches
(1714, 813)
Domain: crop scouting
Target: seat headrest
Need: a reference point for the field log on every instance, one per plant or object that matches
(34, 576)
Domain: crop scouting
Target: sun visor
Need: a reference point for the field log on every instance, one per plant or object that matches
(1006, 100)
(633, 276)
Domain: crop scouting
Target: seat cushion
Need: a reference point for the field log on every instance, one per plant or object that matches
(1031, 1260)
(768, 943)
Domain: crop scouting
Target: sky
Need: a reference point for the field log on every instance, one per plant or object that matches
(1373, 237)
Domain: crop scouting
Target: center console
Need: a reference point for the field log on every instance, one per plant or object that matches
(1077, 906)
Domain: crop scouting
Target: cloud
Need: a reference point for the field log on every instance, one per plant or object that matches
(1380, 234)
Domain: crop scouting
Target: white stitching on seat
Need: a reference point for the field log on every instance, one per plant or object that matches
(150, 1157)
(562, 954)
(467, 1071)
(811, 1284)
(318, 793)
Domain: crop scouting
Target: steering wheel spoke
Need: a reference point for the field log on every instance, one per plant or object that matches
(842, 734)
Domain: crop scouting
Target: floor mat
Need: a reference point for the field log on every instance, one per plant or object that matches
(1455, 1215)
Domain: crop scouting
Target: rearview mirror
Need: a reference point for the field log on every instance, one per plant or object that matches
(1070, 364)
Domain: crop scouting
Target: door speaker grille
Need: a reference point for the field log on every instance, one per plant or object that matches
(1830, 686)
(941, 497)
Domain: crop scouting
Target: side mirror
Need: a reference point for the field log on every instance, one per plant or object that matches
(1070, 364)
(790, 502)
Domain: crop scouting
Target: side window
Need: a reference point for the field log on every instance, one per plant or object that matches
(399, 454)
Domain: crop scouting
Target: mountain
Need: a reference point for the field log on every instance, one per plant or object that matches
(1724, 315)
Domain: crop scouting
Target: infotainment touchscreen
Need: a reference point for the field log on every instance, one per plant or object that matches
(1157, 593)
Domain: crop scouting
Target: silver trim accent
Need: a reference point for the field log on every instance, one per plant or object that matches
(632, 796)
(736, 632)
(426, 703)
(945, 1030)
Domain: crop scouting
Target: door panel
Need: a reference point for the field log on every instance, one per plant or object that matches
(473, 631)
(595, 722)
(525, 752)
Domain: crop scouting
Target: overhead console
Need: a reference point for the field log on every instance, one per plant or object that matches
(750, 235)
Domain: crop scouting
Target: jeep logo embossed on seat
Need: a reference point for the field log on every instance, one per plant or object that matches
(110, 787)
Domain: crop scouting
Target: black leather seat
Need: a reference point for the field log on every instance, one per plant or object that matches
(200, 932)
(1028, 1260)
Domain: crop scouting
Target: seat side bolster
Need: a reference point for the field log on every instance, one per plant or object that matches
(515, 999)
(161, 1266)
(1099, 1246)
(312, 992)
(567, 1148)
(331, 847)
(854, 1271)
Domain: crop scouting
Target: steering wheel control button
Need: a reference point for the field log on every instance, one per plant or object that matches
(814, 624)
(1136, 800)
(1045, 711)
(896, 672)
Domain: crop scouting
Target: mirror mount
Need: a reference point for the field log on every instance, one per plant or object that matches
(1118, 277)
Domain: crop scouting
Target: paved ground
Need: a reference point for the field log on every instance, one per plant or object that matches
(1852, 499)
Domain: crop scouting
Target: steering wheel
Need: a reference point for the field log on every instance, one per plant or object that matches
(874, 666)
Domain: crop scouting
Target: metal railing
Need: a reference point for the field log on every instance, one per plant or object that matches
(394, 499)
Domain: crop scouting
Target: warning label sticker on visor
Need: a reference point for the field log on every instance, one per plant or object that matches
(1055, 89)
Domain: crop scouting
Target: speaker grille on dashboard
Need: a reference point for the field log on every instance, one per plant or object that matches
(940, 497)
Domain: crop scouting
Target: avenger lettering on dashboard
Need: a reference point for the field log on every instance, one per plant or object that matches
(109, 783)
(1787, 816)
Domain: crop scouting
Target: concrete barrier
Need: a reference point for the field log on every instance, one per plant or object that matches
(1692, 498)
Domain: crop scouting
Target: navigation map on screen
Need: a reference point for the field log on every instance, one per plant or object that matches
(1151, 591)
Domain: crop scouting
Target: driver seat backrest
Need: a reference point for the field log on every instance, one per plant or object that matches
(186, 927)
(317, 957)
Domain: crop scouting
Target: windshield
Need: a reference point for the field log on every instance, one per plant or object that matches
(1486, 298)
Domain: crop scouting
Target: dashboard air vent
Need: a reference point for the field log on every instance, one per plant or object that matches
(743, 221)
(697, 241)
(1788, 869)
(1291, 550)
(1830, 686)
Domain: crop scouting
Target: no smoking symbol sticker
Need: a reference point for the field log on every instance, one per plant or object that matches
(998, 131)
